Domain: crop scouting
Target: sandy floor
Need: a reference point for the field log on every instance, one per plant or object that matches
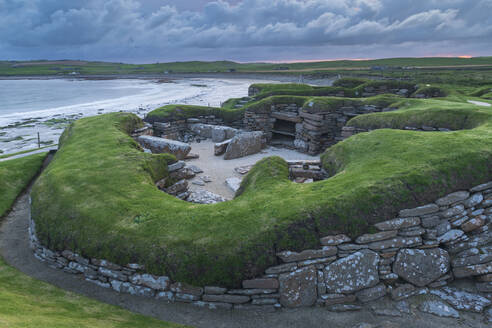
(219, 169)
(479, 103)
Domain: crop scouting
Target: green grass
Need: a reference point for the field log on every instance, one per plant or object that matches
(19, 68)
(25, 151)
(15, 175)
(26, 302)
(375, 175)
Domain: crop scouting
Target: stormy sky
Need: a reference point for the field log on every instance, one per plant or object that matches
(242, 30)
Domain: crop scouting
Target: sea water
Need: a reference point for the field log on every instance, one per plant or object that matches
(29, 107)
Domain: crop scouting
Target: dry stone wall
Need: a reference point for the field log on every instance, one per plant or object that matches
(348, 131)
(419, 252)
(314, 130)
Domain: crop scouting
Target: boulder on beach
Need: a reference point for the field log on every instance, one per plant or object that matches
(161, 145)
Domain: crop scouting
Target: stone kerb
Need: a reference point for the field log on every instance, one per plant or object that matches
(419, 252)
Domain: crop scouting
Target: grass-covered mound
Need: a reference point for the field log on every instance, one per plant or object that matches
(15, 176)
(26, 302)
(170, 113)
(98, 195)
(348, 87)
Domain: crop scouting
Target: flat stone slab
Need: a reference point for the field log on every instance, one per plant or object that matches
(421, 266)
(244, 144)
(398, 223)
(368, 238)
(418, 211)
(233, 183)
(352, 273)
(453, 198)
(309, 254)
(438, 308)
(462, 300)
(202, 196)
(298, 288)
(162, 145)
(335, 240)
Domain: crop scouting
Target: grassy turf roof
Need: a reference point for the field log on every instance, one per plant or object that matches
(98, 196)
(26, 302)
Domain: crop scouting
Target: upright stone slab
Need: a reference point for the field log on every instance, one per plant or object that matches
(421, 266)
(161, 145)
(298, 288)
(352, 273)
(244, 144)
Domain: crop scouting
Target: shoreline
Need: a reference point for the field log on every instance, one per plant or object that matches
(292, 78)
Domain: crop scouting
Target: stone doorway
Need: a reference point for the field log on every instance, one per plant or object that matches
(283, 133)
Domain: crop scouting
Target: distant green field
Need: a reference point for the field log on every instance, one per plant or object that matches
(66, 67)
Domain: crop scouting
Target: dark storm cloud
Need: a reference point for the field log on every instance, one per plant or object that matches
(243, 30)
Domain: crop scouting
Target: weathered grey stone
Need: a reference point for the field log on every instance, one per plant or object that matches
(326, 251)
(462, 300)
(202, 130)
(330, 299)
(335, 240)
(351, 247)
(186, 298)
(269, 283)
(352, 273)
(202, 196)
(251, 292)
(182, 288)
(454, 211)
(474, 200)
(485, 278)
(126, 287)
(430, 221)
(320, 261)
(406, 291)
(412, 232)
(484, 287)
(396, 242)
(221, 133)
(418, 211)
(399, 223)
(220, 147)
(367, 238)
(453, 198)
(225, 298)
(157, 283)
(233, 183)
(213, 290)
(175, 166)
(264, 301)
(244, 144)
(473, 270)
(117, 275)
(281, 268)
(177, 188)
(195, 169)
(438, 308)
(473, 224)
(443, 227)
(471, 260)
(371, 294)
(343, 308)
(482, 187)
(421, 266)
(161, 145)
(451, 235)
(213, 305)
(298, 288)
